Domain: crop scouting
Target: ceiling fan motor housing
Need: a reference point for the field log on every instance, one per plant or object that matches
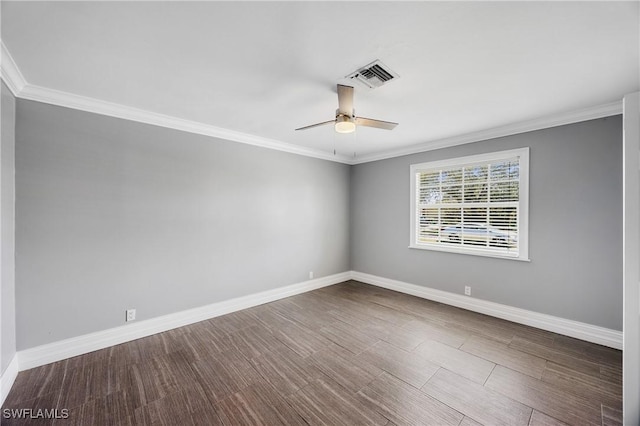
(338, 113)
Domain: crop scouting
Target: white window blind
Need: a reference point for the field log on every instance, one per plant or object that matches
(475, 205)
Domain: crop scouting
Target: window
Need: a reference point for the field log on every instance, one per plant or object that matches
(472, 205)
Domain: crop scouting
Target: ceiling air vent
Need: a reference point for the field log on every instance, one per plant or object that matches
(373, 75)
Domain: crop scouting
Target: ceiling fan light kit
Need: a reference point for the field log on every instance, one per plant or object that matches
(345, 124)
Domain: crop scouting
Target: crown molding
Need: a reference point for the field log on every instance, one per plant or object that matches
(11, 74)
(97, 106)
(69, 100)
(591, 113)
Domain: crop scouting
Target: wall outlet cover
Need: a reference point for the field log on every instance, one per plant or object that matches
(131, 315)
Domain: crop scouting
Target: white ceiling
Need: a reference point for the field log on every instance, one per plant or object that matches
(266, 68)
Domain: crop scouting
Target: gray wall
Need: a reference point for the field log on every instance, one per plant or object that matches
(7, 230)
(113, 214)
(575, 226)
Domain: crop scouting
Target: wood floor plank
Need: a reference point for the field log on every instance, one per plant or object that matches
(206, 416)
(113, 409)
(361, 306)
(205, 330)
(349, 290)
(462, 363)
(157, 377)
(556, 356)
(344, 368)
(257, 405)
(324, 402)
(200, 345)
(77, 386)
(100, 355)
(394, 316)
(587, 351)
(405, 338)
(611, 416)
(347, 337)
(254, 341)
(584, 385)
(535, 335)
(440, 333)
(269, 317)
(116, 356)
(412, 305)
(106, 378)
(405, 405)
(45, 402)
(541, 419)
(479, 324)
(224, 374)
(467, 421)
(98, 381)
(475, 401)
(39, 381)
(233, 322)
(500, 353)
(321, 303)
(544, 397)
(301, 339)
(408, 366)
(611, 374)
(402, 337)
(158, 344)
(177, 407)
(204, 339)
(371, 326)
(285, 370)
(311, 319)
(119, 406)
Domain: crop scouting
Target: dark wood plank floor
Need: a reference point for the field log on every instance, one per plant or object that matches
(348, 354)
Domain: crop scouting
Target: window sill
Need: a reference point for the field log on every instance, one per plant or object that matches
(470, 252)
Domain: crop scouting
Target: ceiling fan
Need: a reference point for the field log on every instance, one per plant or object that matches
(346, 121)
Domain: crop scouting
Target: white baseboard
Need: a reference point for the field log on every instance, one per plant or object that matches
(56, 351)
(579, 330)
(7, 378)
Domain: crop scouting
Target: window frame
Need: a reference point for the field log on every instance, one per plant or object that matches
(523, 203)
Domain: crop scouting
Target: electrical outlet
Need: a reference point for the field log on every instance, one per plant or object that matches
(131, 315)
(310, 275)
(467, 290)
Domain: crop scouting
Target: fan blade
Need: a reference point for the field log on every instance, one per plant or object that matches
(369, 122)
(345, 100)
(316, 125)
